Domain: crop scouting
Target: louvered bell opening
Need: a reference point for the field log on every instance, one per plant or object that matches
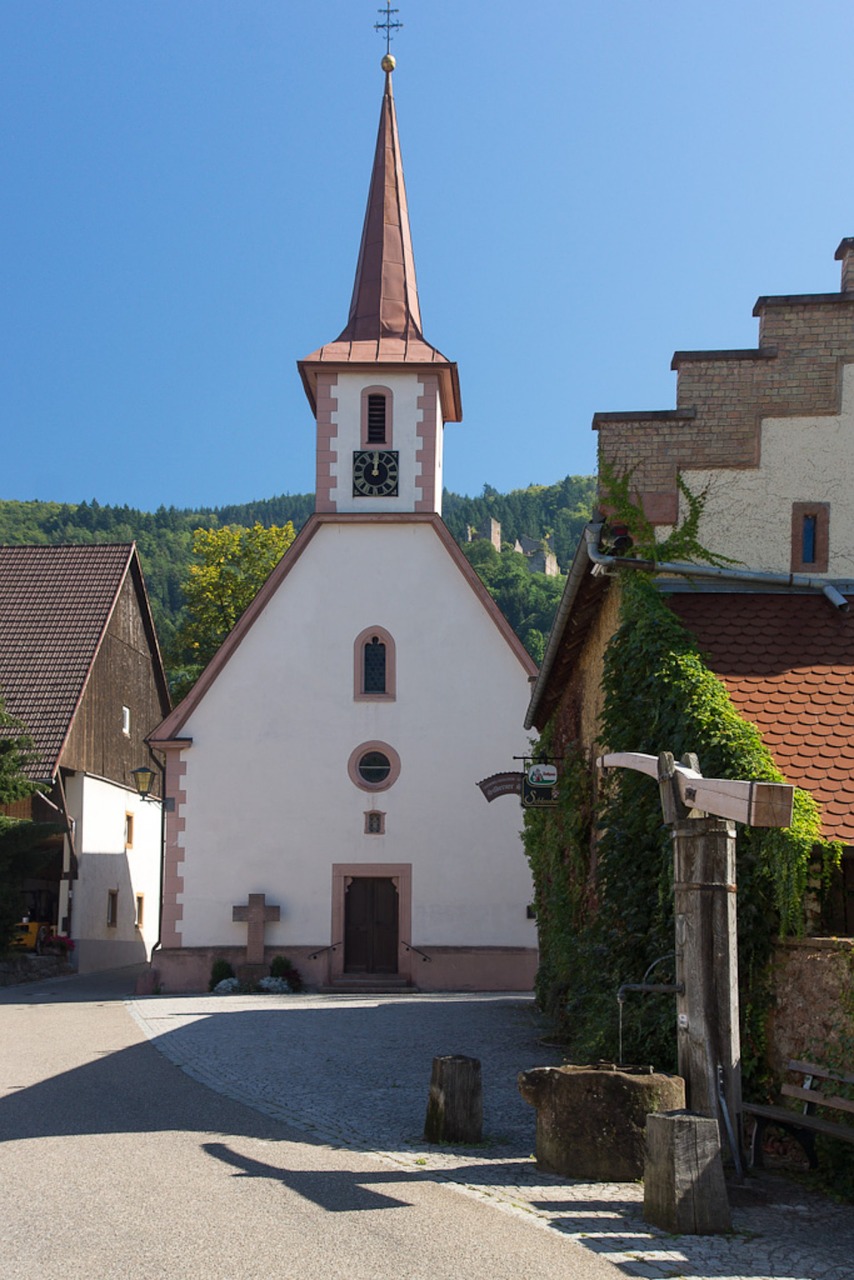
(376, 419)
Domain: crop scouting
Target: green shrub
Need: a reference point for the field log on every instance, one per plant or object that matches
(282, 967)
(220, 969)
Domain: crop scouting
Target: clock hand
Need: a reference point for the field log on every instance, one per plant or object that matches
(376, 469)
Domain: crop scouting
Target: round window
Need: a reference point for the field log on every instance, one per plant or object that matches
(374, 767)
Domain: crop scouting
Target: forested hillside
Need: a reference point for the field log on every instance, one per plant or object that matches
(164, 538)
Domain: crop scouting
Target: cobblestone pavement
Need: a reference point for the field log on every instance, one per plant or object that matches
(354, 1071)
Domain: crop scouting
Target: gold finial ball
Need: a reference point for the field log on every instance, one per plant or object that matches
(388, 62)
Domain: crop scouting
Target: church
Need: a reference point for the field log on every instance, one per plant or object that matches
(321, 797)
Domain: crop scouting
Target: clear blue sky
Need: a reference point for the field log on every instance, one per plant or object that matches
(590, 188)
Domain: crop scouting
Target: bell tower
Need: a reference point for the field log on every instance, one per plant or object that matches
(380, 393)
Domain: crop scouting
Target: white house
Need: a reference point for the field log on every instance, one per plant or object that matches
(324, 768)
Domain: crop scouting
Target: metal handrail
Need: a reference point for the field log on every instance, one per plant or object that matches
(332, 947)
(423, 954)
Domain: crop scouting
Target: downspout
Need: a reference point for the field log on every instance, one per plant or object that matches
(161, 768)
(593, 531)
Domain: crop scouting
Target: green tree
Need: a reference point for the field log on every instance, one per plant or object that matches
(16, 835)
(230, 565)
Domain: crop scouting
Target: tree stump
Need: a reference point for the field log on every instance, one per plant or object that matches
(684, 1190)
(455, 1105)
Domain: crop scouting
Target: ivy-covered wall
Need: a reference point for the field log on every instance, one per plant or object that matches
(602, 860)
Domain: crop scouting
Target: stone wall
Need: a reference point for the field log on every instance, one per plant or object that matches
(814, 992)
(30, 968)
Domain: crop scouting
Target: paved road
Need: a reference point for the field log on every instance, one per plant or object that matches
(115, 1163)
(138, 1170)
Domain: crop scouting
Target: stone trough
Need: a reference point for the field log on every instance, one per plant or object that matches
(591, 1120)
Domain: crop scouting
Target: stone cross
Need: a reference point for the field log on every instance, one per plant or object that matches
(256, 914)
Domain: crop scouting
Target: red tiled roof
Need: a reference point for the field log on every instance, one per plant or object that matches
(788, 663)
(55, 603)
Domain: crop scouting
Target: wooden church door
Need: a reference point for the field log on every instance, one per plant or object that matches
(370, 925)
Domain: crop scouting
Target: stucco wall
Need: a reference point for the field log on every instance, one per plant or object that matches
(106, 865)
(748, 513)
(270, 805)
(405, 413)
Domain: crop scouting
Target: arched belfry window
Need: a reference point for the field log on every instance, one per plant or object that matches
(376, 416)
(374, 666)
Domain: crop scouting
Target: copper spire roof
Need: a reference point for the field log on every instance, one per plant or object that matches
(385, 294)
(384, 325)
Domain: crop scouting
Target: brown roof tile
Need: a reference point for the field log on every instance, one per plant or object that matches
(788, 663)
(55, 603)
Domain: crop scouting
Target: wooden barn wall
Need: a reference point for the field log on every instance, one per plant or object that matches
(123, 675)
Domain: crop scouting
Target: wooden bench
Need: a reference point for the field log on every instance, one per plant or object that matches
(816, 1090)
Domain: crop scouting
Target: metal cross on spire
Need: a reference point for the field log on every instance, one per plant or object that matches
(389, 25)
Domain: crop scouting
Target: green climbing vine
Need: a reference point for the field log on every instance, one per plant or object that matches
(603, 880)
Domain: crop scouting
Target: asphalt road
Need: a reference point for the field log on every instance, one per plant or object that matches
(114, 1164)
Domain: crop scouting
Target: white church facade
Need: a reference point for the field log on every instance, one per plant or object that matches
(321, 776)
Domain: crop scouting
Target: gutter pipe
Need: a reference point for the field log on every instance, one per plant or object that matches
(593, 531)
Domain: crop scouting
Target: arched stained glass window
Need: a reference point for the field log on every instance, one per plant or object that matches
(374, 665)
(373, 656)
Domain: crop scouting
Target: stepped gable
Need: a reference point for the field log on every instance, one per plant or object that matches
(787, 663)
(722, 396)
(55, 605)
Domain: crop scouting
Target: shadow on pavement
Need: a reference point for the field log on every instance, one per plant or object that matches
(112, 984)
(338, 1191)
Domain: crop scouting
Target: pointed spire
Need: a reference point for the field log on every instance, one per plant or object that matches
(384, 326)
(385, 294)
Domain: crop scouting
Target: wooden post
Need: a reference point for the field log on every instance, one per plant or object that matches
(683, 1182)
(455, 1105)
(707, 968)
(706, 947)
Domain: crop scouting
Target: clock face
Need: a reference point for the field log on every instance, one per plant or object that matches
(374, 473)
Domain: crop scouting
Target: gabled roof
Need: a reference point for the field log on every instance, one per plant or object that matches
(56, 603)
(384, 325)
(171, 728)
(786, 659)
(788, 663)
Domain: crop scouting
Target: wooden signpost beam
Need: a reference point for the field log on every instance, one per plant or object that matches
(702, 813)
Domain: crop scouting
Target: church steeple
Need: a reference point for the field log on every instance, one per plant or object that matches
(384, 324)
(385, 293)
(380, 392)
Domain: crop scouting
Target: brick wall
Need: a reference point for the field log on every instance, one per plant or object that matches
(722, 396)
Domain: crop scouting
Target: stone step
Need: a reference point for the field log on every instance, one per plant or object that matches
(367, 983)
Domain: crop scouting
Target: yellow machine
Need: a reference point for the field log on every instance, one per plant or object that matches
(30, 934)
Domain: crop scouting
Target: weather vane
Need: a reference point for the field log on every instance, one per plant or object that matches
(388, 26)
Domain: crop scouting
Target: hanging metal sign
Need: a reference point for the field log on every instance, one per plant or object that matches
(539, 785)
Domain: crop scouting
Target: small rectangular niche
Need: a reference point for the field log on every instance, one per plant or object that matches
(810, 537)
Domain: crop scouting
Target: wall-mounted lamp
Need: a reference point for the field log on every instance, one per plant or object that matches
(143, 780)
